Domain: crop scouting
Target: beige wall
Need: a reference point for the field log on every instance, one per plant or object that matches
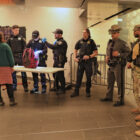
(129, 21)
(98, 11)
(101, 36)
(46, 20)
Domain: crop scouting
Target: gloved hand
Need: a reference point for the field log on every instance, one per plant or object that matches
(44, 40)
(37, 53)
(55, 42)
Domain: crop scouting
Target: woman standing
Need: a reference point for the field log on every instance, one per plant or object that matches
(6, 64)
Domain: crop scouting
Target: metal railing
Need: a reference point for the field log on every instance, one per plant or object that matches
(100, 79)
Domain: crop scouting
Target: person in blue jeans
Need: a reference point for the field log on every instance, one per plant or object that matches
(18, 44)
(41, 49)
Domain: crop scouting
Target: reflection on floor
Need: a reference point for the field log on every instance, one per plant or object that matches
(52, 117)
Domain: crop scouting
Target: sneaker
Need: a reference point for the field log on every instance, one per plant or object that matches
(87, 94)
(2, 103)
(34, 91)
(43, 91)
(12, 103)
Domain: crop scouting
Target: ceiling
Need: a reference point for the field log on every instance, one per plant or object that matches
(68, 3)
(56, 3)
(79, 3)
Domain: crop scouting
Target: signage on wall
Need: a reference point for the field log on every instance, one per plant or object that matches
(11, 2)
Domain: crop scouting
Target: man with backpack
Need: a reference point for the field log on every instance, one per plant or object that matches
(17, 44)
(41, 50)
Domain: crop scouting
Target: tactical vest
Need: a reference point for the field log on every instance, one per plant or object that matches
(85, 47)
(60, 51)
(16, 45)
(36, 46)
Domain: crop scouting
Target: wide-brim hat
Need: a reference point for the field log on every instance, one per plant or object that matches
(114, 28)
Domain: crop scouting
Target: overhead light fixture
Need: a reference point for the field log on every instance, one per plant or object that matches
(119, 19)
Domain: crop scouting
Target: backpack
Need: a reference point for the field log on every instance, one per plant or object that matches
(28, 58)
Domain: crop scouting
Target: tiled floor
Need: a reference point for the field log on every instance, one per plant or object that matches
(51, 117)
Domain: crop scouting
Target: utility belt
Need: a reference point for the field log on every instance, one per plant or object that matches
(18, 55)
(60, 59)
(43, 57)
(80, 58)
(113, 63)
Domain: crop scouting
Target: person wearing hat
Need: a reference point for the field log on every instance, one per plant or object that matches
(116, 56)
(41, 49)
(18, 44)
(87, 51)
(59, 55)
(134, 63)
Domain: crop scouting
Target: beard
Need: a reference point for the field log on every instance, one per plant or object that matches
(137, 35)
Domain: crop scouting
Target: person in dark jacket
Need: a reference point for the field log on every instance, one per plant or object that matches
(40, 50)
(18, 44)
(87, 51)
(59, 55)
(6, 65)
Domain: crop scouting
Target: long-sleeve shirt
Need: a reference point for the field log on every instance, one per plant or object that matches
(6, 56)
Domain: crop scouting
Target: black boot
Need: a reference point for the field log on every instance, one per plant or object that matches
(75, 93)
(118, 103)
(26, 89)
(12, 102)
(106, 99)
(87, 92)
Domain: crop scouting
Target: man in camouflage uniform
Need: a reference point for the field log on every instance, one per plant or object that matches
(136, 73)
(116, 54)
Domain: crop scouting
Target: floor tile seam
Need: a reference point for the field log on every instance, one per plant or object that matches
(66, 131)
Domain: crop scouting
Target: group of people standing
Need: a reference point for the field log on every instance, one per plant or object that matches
(117, 55)
(15, 46)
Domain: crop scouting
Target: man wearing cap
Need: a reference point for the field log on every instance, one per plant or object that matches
(87, 51)
(18, 44)
(116, 56)
(134, 63)
(39, 47)
(59, 55)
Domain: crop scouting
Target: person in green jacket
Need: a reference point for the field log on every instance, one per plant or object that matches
(6, 69)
